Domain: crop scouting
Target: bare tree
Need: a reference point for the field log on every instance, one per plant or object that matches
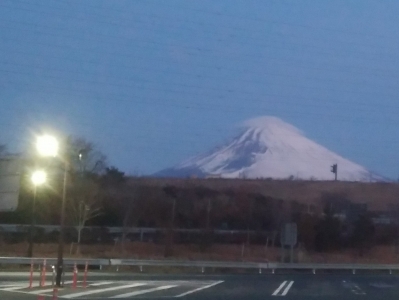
(125, 198)
(171, 192)
(85, 205)
(207, 196)
(129, 199)
(87, 163)
(85, 158)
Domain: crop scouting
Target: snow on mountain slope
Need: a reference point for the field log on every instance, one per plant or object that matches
(270, 148)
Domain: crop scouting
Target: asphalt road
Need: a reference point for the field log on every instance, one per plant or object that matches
(127, 286)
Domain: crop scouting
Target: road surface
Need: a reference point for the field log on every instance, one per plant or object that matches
(268, 286)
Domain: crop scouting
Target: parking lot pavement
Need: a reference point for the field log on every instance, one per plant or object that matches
(298, 286)
(113, 289)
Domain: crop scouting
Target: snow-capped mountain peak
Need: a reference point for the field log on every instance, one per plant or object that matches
(268, 147)
(270, 124)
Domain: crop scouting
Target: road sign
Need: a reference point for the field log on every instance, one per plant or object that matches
(289, 235)
(10, 178)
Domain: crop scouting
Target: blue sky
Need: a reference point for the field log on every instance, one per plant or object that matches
(154, 82)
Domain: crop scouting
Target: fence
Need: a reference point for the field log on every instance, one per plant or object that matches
(201, 265)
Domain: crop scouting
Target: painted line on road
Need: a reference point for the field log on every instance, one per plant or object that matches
(354, 288)
(357, 290)
(12, 285)
(287, 288)
(200, 288)
(97, 291)
(19, 287)
(136, 293)
(102, 283)
(282, 286)
(47, 284)
(279, 288)
(41, 291)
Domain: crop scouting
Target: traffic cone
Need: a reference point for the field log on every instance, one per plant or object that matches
(43, 282)
(85, 275)
(75, 276)
(55, 294)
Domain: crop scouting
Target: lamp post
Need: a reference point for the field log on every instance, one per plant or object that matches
(37, 178)
(60, 260)
(48, 146)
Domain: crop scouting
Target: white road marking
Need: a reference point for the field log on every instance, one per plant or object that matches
(279, 288)
(354, 288)
(11, 285)
(50, 283)
(102, 283)
(97, 291)
(41, 291)
(132, 294)
(287, 288)
(357, 290)
(284, 286)
(101, 287)
(200, 288)
(20, 287)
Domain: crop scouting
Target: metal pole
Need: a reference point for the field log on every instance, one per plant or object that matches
(60, 262)
(53, 276)
(172, 227)
(208, 214)
(31, 274)
(32, 224)
(173, 212)
(292, 254)
(74, 276)
(43, 279)
(336, 172)
(85, 275)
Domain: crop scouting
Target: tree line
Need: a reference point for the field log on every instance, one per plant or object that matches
(101, 195)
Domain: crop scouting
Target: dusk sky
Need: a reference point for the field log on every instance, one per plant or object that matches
(153, 83)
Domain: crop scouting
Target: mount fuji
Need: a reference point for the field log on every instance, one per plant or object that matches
(268, 147)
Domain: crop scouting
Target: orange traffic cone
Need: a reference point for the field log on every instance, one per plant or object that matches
(75, 276)
(43, 281)
(55, 294)
(85, 275)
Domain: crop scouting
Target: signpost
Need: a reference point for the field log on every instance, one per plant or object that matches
(10, 178)
(289, 237)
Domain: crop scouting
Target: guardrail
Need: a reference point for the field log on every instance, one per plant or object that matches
(52, 261)
(325, 267)
(267, 266)
(187, 264)
(20, 228)
(253, 265)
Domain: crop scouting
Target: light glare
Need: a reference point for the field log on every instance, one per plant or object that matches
(39, 177)
(47, 145)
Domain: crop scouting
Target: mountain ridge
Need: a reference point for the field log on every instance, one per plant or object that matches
(268, 147)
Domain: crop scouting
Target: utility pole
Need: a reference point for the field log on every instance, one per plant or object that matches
(32, 223)
(334, 169)
(60, 252)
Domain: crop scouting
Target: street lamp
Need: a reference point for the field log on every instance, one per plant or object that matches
(38, 178)
(48, 146)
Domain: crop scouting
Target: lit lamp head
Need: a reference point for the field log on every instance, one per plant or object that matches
(38, 177)
(47, 145)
